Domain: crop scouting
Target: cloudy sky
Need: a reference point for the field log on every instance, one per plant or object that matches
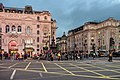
(71, 14)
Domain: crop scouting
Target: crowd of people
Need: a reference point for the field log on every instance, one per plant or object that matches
(14, 56)
(49, 55)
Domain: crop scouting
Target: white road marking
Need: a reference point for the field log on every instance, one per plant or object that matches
(44, 67)
(13, 65)
(27, 65)
(40, 74)
(12, 76)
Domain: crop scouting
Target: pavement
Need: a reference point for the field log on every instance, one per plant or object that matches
(87, 69)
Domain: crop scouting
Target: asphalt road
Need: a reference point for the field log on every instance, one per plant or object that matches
(59, 70)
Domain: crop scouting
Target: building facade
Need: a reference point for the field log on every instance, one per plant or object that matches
(26, 30)
(104, 36)
(62, 43)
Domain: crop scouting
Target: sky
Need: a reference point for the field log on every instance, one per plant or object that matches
(71, 14)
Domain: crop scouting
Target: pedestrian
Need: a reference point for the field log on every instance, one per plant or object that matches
(110, 56)
(52, 56)
(80, 56)
(39, 55)
(66, 56)
(93, 55)
(25, 56)
(21, 57)
(0, 56)
(59, 55)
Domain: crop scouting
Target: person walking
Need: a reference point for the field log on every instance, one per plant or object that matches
(59, 55)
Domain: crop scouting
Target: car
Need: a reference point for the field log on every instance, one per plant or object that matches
(103, 53)
(116, 54)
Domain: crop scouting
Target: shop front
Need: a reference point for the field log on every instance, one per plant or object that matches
(29, 51)
(13, 47)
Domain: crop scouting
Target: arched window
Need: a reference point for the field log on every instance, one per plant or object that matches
(38, 18)
(13, 28)
(28, 31)
(19, 29)
(7, 29)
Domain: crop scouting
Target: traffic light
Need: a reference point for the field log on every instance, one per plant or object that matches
(112, 42)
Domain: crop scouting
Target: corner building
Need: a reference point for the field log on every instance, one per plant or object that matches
(99, 34)
(26, 30)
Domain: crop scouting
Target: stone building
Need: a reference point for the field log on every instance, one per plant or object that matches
(97, 34)
(62, 43)
(26, 30)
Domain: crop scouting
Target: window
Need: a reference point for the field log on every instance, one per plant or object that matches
(19, 29)
(38, 32)
(28, 30)
(37, 49)
(37, 45)
(7, 28)
(53, 33)
(45, 17)
(38, 18)
(45, 33)
(37, 39)
(13, 28)
(38, 26)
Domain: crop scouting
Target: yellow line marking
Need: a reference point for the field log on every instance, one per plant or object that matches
(27, 65)
(113, 66)
(64, 69)
(90, 71)
(114, 75)
(68, 74)
(53, 68)
(44, 67)
(35, 68)
(13, 65)
(104, 69)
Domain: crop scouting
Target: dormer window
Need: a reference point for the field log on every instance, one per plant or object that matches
(45, 17)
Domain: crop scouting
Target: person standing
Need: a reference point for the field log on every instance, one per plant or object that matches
(110, 56)
(0, 56)
(20, 57)
(93, 55)
(25, 56)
